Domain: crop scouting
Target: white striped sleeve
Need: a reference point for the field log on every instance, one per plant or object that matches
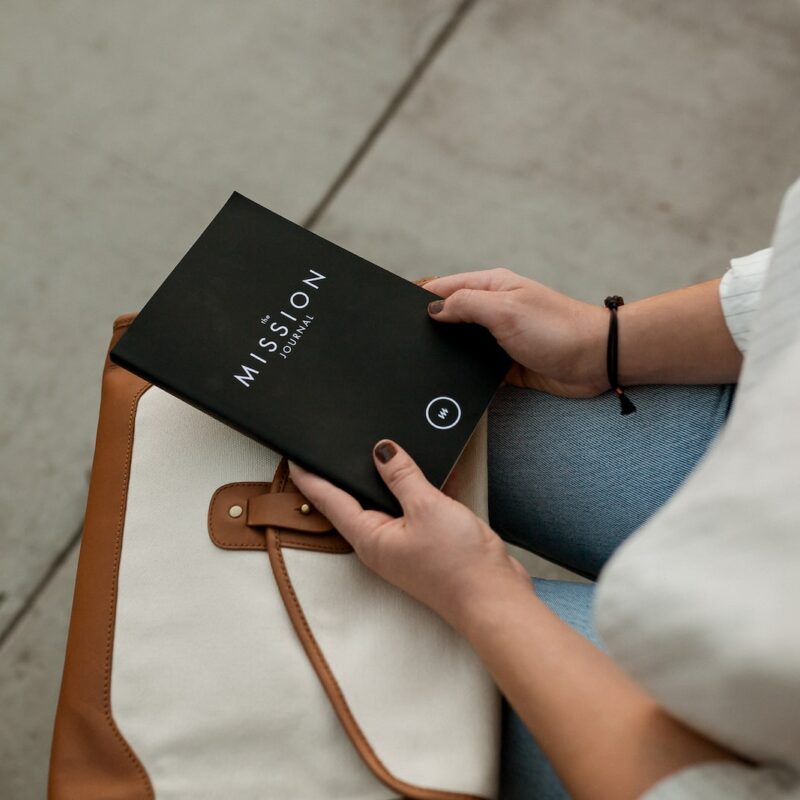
(740, 291)
(726, 781)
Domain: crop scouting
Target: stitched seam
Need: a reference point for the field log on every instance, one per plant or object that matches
(398, 784)
(324, 548)
(240, 546)
(112, 614)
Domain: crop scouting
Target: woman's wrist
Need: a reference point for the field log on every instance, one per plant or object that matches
(481, 613)
(677, 337)
(590, 362)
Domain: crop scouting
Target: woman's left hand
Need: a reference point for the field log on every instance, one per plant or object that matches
(439, 552)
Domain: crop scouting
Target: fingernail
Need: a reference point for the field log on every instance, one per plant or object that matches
(435, 307)
(384, 451)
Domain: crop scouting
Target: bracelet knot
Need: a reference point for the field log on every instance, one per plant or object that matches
(612, 303)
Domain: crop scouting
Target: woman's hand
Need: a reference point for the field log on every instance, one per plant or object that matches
(439, 552)
(558, 343)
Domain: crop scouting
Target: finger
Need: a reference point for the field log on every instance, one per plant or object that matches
(342, 509)
(486, 308)
(403, 477)
(491, 280)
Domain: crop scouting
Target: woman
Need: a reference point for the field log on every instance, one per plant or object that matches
(571, 479)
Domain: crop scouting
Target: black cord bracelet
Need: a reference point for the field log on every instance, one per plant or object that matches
(612, 303)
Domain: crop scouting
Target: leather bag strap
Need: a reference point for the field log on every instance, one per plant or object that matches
(288, 510)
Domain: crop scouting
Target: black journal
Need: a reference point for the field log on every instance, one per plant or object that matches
(313, 351)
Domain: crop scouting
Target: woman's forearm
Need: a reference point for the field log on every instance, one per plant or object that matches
(677, 337)
(605, 737)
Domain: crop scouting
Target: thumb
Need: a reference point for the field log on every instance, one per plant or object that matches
(471, 305)
(403, 477)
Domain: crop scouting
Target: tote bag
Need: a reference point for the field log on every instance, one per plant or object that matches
(225, 642)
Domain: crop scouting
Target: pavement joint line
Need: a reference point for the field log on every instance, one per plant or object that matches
(43, 583)
(397, 99)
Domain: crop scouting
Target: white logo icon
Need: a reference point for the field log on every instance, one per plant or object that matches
(443, 413)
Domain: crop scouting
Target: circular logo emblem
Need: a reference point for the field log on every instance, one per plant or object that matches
(443, 413)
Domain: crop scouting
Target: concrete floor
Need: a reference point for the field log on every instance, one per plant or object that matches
(620, 146)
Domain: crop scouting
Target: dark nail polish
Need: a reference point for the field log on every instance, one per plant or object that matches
(435, 307)
(385, 451)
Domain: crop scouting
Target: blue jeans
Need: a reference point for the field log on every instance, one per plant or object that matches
(570, 480)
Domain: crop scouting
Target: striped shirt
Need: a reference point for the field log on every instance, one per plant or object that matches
(701, 605)
(739, 292)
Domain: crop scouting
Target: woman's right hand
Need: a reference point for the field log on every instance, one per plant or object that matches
(558, 344)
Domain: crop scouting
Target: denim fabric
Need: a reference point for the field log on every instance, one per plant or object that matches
(570, 480)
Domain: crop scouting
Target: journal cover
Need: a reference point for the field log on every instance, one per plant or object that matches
(313, 351)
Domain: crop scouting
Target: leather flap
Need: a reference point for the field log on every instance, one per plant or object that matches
(232, 532)
(239, 513)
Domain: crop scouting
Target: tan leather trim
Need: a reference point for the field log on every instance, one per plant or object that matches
(90, 758)
(260, 508)
(276, 540)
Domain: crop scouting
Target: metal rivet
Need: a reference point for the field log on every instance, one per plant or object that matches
(305, 508)
(235, 511)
